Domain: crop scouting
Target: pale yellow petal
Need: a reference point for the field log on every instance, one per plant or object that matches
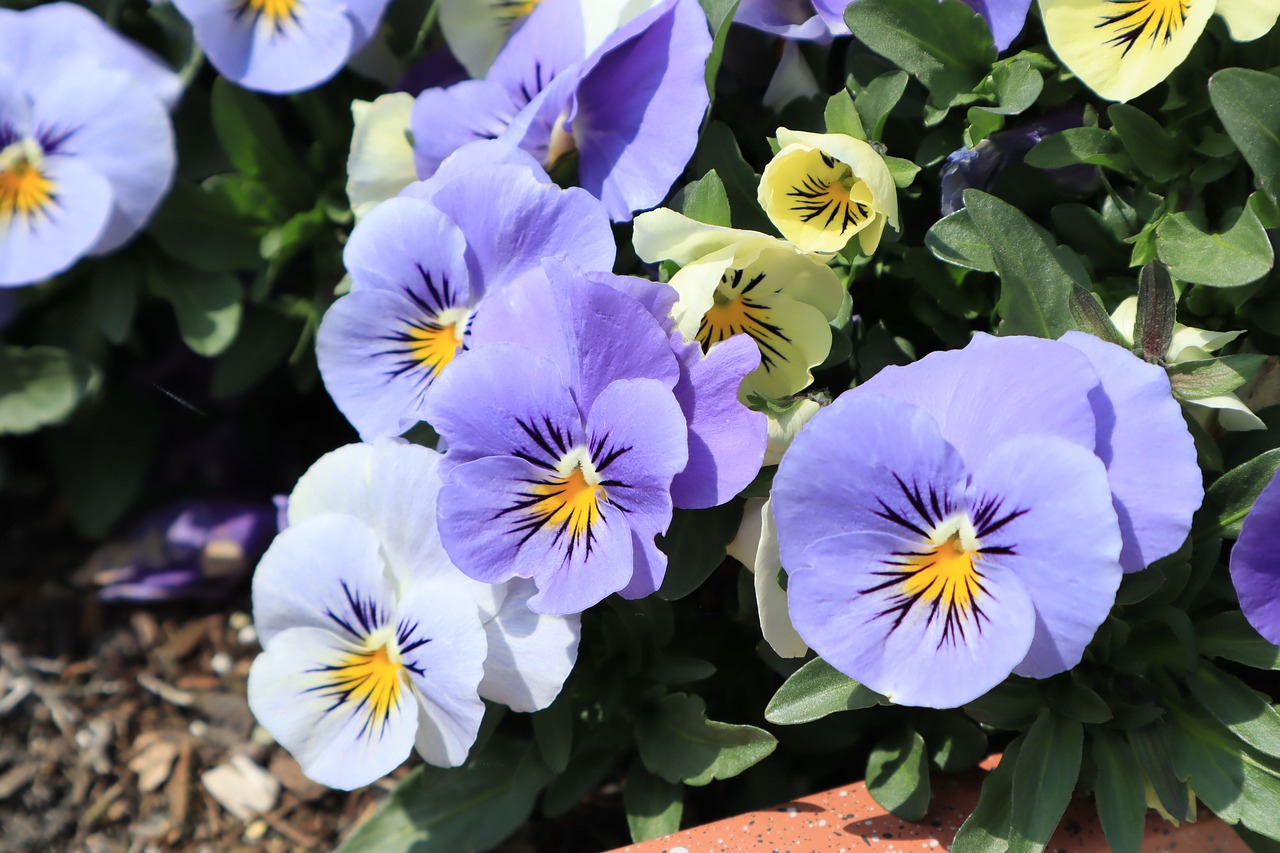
(696, 284)
(1249, 19)
(771, 598)
(665, 235)
(380, 164)
(601, 17)
(1125, 318)
(1190, 344)
(785, 427)
(476, 30)
(1233, 414)
(1122, 48)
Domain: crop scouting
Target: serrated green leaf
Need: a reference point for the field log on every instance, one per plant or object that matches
(1239, 254)
(986, 829)
(943, 44)
(679, 743)
(898, 775)
(957, 241)
(1035, 282)
(653, 805)
(1122, 806)
(1246, 713)
(1248, 102)
(1232, 495)
(1211, 377)
(1043, 779)
(705, 200)
(696, 543)
(41, 386)
(1229, 635)
(816, 690)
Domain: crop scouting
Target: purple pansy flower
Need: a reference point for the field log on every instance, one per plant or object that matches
(563, 449)
(420, 264)
(1254, 568)
(86, 145)
(194, 549)
(631, 109)
(281, 46)
(1005, 18)
(792, 19)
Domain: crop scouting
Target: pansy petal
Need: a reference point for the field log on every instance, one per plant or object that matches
(325, 573)
(407, 246)
(547, 43)
(997, 387)
(891, 639)
(38, 246)
(526, 408)
(832, 12)
(299, 692)
(380, 164)
(898, 481)
(756, 547)
(1249, 19)
(503, 517)
(1149, 453)
(530, 655)
(1005, 18)
(789, 19)
(443, 646)
(476, 30)
(475, 158)
(1060, 539)
(575, 323)
(1122, 48)
(726, 439)
(444, 120)
(269, 53)
(653, 66)
(514, 218)
(113, 124)
(1255, 572)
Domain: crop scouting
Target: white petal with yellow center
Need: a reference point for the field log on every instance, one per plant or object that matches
(822, 189)
(1249, 19)
(380, 164)
(1122, 48)
(756, 547)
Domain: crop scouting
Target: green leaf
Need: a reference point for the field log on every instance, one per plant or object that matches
(904, 171)
(208, 305)
(986, 829)
(1080, 145)
(696, 544)
(1238, 255)
(1012, 704)
(1152, 148)
(719, 16)
(1035, 283)
(653, 805)
(816, 690)
(1229, 635)
(1247, 102)
(718, 150)
(670, 669)
(1150, 745)
(1015, 85)
(100, 460)
(956, 240)
(1088, 315)
(254, 144)
(679, 743)
(553, 731)
(954, 743)
(472, 807)
(115, 287)
(201, 227)
(1046, 773)
(1119, 793)
(705, 200)
(1238, 783)
(878, 98)
(943, 44)
(265, 339)
(1211, 377)
(1230, 498)
(1245, 712)
(841, 116)
(898, 775)
(41, 386)
(587, 769)
(1075, 701)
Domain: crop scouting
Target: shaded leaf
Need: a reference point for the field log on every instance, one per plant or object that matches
(679, 743)
(816, 690)
(41, 386)
(898, 775)
(1119, 793)
(1248, 102)
(1232, 495)
(1043, 779)
(654, 806)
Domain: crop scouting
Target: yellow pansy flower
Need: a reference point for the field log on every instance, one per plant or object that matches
(1122, 48)
(735, 282)
(821, 189)
(380, 164)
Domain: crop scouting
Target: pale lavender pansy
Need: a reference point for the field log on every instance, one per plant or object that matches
(1254, 568)
(631, 109)
(564, 437)
(86, 155)
(281, 46)
(819, 19)
(420, 265)
(374, 644)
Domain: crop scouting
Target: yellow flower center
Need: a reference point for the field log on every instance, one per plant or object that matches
(570, 504)
(510, 11)
(371, 680)
(274, 10)
(24, 188)
(946, 575)
(1154, 22)
(737, 309)
(830, 197)
(435, 344)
